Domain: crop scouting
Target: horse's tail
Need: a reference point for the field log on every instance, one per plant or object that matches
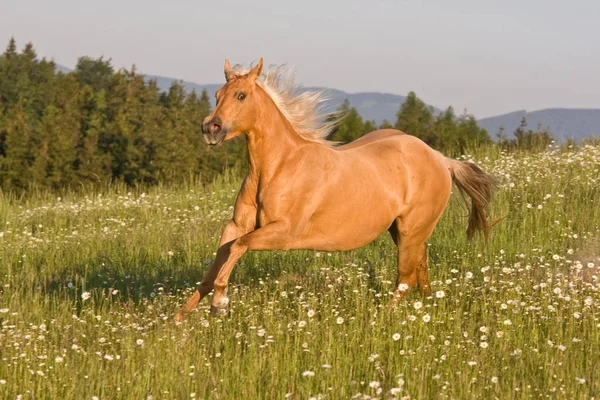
(470, 179)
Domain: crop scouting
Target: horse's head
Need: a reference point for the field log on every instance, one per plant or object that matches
(236, 108)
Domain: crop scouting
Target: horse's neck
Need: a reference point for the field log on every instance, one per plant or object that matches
(269, 143)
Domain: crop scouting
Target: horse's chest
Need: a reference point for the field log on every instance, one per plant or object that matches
(267, 209)
(262, 219)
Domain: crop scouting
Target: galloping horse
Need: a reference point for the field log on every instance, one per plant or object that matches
(304, 192)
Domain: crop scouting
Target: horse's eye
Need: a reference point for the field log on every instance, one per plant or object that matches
(241, 97)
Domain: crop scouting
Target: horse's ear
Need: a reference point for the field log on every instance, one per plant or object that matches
(255, 73)
(228, 71)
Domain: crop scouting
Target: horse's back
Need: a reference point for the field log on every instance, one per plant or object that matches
(371, 137)
(403, 165)
(390, 140)
(393, 147)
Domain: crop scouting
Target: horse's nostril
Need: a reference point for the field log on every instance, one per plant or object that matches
(214, 128)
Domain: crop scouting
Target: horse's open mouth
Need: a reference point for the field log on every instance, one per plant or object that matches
(218, 144)
(215, 140)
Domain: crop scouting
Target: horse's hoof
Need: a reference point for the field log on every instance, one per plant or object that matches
(220, 307)
(179, 317)
(218, 311)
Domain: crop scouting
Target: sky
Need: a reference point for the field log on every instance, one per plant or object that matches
(486, 56)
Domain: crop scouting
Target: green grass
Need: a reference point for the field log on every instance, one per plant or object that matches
(518, 317)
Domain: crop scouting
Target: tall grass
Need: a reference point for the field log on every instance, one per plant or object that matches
(89, 285)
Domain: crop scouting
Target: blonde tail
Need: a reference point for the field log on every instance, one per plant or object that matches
(470, 179)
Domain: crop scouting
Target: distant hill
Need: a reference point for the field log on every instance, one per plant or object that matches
(563, 123)
(63, 69)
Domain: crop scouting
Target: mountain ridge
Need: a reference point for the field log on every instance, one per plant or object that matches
(563, 123)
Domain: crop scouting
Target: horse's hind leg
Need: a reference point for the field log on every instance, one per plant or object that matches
(412, 262)
(423, 274)
(412, 268)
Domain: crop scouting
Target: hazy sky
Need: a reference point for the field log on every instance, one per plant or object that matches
(487, 56)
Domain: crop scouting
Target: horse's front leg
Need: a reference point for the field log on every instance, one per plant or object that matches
(231, 232)
(273, 236)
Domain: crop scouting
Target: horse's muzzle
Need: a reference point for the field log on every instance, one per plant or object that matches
(213, 132)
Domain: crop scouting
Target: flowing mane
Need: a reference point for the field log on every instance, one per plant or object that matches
(302, 108)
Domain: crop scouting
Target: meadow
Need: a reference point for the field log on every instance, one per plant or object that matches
(90, 283)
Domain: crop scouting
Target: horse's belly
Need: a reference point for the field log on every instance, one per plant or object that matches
(331, 232)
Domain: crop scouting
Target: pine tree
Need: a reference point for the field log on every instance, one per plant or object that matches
(351, 127)
(124, 111)
(25, 79)
(60, 134)
(204, 104)
(416, 118)
(165, 147)
(93, 164)
(528, 139)
(471, 135)
(369, 126)
(15, 165)
(2, 128)
(96, 73)
(444, 134)
(11, 49)
(385, 124)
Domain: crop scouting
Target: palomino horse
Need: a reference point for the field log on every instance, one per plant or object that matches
(303, 192)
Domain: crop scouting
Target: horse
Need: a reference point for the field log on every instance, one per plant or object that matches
(302, 191)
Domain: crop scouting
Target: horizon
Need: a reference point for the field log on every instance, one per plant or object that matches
(490, 59)
(62, 66)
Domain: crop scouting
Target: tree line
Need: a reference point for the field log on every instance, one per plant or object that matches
(96, 125)
(445, 131)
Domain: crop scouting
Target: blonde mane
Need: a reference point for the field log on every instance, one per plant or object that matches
(300, 107)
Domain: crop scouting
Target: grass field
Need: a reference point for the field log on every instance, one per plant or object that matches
(89, 285)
